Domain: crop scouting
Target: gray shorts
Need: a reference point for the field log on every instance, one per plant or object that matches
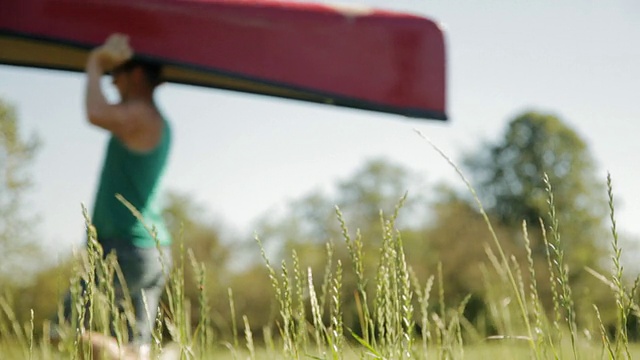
(144, 271)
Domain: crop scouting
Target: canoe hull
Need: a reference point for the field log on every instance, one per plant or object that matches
(361, 58)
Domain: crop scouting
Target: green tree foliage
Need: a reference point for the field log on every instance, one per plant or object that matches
(375, 188)
(457, 249)
(24, 284)
(458, 239)
(198, 240)
(190, 228)
(309, 223)
(42, 294)
(16, 225)
(509, 179)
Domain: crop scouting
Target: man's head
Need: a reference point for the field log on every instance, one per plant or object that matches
(135, 76)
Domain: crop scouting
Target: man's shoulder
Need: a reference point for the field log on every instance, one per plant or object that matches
(146, 127)
(142, 107)
(144, 114)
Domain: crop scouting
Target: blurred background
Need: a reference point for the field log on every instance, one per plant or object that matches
(533, 88)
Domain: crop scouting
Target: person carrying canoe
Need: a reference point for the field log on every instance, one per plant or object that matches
(136, 156)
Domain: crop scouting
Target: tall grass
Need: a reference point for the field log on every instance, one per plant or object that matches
(400, 316)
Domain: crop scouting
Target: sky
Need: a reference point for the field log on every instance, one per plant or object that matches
(243, 156)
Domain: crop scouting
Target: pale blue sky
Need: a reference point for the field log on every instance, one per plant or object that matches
(243, 155)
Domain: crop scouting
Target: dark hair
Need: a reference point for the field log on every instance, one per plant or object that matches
(152, 70)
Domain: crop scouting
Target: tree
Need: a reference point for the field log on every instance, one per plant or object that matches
(510, 181)
(377, 186)
(193, 232)
(200, 235)
(16, 227)
(310, 222)
(455, 248)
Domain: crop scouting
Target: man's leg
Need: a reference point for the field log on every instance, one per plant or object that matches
(145, 275)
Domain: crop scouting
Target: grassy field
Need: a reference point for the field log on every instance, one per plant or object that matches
(395, 311)
(12, 349)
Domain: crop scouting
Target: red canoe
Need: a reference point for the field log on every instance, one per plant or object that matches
(355, 57)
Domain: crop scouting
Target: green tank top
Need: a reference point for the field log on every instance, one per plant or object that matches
(136, 176)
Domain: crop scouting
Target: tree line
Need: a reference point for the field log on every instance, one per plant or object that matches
(443, 227)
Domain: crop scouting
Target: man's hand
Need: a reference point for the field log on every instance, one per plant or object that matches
(113, 52)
